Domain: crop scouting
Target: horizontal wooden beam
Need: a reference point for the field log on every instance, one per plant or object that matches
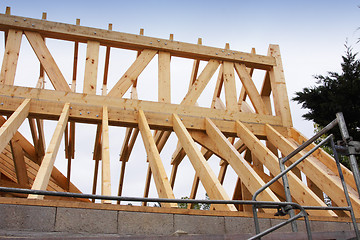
(48, 104)
(109, 38)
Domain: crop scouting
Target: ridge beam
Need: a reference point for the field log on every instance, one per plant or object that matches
(82, 34)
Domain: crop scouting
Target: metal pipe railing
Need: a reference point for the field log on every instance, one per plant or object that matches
(261, 204)
(277, 177)
(311, 140)
(288, 206)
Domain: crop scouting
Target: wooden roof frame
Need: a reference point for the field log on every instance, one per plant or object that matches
(260, 131)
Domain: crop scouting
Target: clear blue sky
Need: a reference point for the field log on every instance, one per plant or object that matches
(311, 34)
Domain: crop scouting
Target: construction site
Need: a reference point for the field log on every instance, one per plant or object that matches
(285, 186)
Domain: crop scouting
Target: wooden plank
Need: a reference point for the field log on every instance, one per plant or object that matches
(301, 193)
(237, 195)
(324, 157)
(47, 61)
(161, 181)
(121, 180)
(41, 138)
(206, 174)
(132, 73)
(127, 117)
(266, 86)
(222, 172)
(94, 103)
(173, 175)
(243, 94)
(133, 41)
(75, 63)
(251, 89)
(19, 163)
(218, 86)
(327, 181)
(125, 145)
(11, 55)
(105, 157)
(249, 177)
(106, 67)
(230, 86)
(10, 127)
(278, 86)
(199, 85)
(44, 173)
(194, 189)
(147, 184)
(195, 68)
(164, 90)
(91, 67)
(178, 155)
(96, 172)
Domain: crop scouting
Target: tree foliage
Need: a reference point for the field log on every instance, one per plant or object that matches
(200, 206)
(335, 93)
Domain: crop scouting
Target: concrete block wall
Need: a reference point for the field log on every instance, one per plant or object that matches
(77, 220)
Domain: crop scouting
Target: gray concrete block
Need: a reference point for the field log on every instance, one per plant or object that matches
(237, 225)
(319, 226)
(145, 223)
(86, 220)
(286, 228)
(199, 224)
(20, 217)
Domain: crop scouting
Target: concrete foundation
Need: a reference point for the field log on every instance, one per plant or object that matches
(95, 221)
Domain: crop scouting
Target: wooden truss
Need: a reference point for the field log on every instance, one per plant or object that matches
(246, 127)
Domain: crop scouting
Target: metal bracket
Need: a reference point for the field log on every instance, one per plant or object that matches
(349, 147)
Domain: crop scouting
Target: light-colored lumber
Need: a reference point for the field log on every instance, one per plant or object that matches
(278, 86)
(105, 157)
(324, 157)
(195, 67)
(200, 83)
(10, 127)
(132, 73)
(230, 86)
(47, 61)
(94, 103)
(207, 176)
(250, 88)
(91, 67)
(242, 168)
(121, 180)
(160, 178)
(106, 67)
(19, 163)
(164, 90)
(44, 173)
(147, 184)
(194, 189)
(326, 180)
(300, 192)
(75, 63)
(11, 55)
(218, 86)
(134, 42)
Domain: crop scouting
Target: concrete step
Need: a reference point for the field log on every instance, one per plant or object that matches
(338, 235)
